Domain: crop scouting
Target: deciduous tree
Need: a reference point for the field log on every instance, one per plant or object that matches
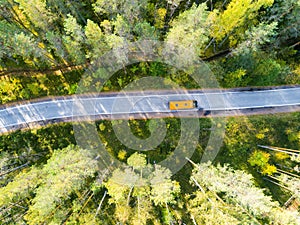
(236, 15)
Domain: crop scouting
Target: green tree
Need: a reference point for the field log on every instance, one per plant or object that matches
(205, 208)
(74, 39)
(137, 161)
(238, 187)
(163, 189)
(56, 45)
(7, 31)
(131, 10)
(190, 29)
(236, 14)
(37, 13)
(95, 39)
(286, 13)
(143, 184)
(22, 186)
(122, 27)
(256, 37)
(65, 172)
(32, 52)
(22, 46)
(145, 30)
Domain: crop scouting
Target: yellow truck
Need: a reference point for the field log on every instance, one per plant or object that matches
(183, 104)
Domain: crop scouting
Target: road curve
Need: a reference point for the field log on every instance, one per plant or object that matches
(144, 104)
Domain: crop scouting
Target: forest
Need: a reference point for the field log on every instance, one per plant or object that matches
(47, 47)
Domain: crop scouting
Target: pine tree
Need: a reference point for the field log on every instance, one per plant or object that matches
(238, 188)
(143, 184)
(37, 13)
(74, 39)
(65, 172)
(190, 29)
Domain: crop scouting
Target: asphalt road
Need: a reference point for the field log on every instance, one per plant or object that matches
(126, 105)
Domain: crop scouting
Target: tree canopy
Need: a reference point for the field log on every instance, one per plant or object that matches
(47, 46)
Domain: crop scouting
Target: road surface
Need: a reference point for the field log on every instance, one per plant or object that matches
(139, 104)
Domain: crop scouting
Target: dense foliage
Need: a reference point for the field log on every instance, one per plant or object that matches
(42, 41)
(47, 45)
